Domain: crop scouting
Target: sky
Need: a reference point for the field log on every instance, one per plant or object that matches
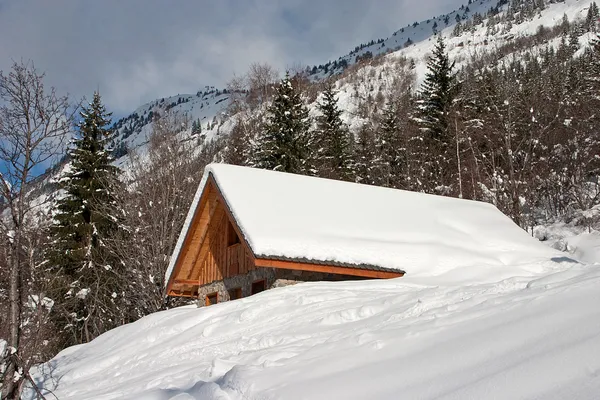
(136, 51)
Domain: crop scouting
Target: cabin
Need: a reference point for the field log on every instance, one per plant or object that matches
(249, 230)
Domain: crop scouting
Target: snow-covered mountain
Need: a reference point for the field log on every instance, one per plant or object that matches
(410, 34)
(413, 42)
(206, 108)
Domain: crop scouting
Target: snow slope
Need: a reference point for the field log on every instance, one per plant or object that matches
(412, 33)
(207, 107)
(526, 337)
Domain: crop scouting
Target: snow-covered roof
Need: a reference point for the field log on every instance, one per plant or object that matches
(297, 217)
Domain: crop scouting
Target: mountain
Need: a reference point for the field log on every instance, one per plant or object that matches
(408, 35)
(206, 108)
(480, 33)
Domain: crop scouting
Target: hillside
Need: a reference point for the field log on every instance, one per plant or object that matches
(413, 43)
(410, 34)
(205, 108)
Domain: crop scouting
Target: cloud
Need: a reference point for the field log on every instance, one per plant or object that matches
(135, 51)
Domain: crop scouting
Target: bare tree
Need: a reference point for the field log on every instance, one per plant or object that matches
(238, 90)
(34, 122)
(261, 78)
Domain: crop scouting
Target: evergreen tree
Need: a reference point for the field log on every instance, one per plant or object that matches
(84, 218)
(432, 117)
(391, 154)
(437, 92)
(364, 155)
(196, 127)
(286, 140)
(334, 140)
(593, 71)
(238, 144)
(592, 17)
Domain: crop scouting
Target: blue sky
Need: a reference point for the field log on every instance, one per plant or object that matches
(135, 51)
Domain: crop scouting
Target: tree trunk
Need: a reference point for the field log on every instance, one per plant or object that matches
(10, 386)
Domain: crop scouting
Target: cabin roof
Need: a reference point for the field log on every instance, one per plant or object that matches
(286, 216)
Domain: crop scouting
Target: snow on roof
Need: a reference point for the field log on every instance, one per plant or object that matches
(290, 216)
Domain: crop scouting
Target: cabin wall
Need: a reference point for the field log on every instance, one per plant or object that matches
(226, 257)
(244, 282)
(213, 250)
(274, 277)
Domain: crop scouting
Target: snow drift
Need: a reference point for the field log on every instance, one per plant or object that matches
(529, 336)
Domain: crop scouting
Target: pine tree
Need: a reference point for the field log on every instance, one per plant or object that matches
(391, 154)
(432, 117)
(593, 71)
(196, 127)
(238, 144)
(364, 155)
(286, 140)
(437, 92)
(592, 17)
(83, 220)
(334, 140)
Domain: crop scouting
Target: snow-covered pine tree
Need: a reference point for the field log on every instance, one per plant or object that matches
(334, 140)
(391, 154)
(432, 116)
(593, 71)
(437, 92)
(238, 144)
(591, 19)
(285, 144)
(364, 155)
(83, 218)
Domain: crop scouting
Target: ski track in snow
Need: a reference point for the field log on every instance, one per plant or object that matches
(522, 337)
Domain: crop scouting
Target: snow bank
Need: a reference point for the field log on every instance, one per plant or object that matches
(574, 239)
(517, 338)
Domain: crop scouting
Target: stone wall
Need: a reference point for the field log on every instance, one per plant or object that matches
(273, 277)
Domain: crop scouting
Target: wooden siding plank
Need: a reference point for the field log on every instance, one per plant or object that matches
(194, 246)
(195, 224)
(206, 254)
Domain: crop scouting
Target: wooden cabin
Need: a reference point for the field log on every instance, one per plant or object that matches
(215, 261)
(249, 230)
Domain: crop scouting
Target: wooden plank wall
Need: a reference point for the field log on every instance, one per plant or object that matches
(206, 255)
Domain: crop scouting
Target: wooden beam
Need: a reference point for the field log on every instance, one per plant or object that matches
(186, 282)
(175, 293)
(328, 269)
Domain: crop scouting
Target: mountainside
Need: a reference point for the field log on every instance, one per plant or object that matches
(205, 108)
(482, 31)
(409, 35)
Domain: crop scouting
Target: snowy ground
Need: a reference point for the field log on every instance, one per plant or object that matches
(528, 336)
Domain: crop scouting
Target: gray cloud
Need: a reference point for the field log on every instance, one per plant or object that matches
(136, 51)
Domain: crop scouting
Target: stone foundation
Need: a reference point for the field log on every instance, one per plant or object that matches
(273, 277)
